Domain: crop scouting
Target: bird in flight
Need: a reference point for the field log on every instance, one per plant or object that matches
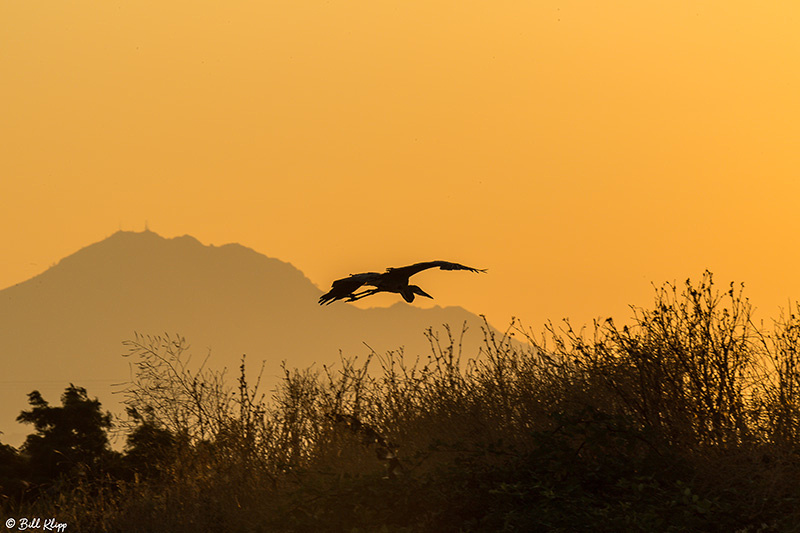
(393, 280)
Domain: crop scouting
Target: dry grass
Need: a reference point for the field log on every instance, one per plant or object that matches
(684, 421)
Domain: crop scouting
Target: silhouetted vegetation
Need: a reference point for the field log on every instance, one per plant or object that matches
(684, 420)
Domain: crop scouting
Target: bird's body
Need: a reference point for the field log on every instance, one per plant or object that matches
(393, 280)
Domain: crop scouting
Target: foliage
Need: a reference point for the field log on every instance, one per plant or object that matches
(684, 420)
(68, 439)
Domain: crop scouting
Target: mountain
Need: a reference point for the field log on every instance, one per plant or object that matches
(67, 324)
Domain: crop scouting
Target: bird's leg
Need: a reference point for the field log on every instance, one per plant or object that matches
(354, 297)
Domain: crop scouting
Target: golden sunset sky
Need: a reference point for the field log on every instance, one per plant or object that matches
(579, 150)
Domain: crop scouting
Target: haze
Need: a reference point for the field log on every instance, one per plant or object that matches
(578, 150)
(67, 325)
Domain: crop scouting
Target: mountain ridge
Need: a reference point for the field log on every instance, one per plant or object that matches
(67, 323)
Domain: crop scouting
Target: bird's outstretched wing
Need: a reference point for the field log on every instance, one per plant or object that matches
(345, 287)
(410, 270)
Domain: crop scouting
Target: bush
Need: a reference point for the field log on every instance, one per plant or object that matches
(684, 420)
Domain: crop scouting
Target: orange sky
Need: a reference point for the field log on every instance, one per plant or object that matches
(578, 150)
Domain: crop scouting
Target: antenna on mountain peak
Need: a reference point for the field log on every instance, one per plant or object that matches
(146, 226)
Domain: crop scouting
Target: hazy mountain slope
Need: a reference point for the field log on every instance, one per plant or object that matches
(67, 324)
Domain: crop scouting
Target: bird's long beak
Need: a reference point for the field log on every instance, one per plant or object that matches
(419, 291)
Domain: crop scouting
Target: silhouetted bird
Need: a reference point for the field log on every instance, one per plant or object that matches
(393, 280)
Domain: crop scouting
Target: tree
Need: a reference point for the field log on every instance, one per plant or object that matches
(68, 439)
(12, 465)
(149, 447)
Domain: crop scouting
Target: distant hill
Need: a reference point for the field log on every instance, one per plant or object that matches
(68, 323)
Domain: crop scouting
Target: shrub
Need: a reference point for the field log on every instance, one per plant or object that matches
(683, 420)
